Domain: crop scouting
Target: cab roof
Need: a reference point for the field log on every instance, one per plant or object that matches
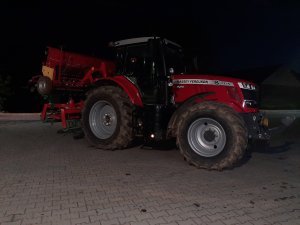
(142, 40)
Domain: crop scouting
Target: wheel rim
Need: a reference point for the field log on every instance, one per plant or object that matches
(206, 137)
(103, 119)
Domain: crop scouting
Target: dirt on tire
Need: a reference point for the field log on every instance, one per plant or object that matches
(235, 129)
(117, 98)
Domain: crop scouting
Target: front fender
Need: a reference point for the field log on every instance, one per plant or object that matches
(196, 99)
(189, 102)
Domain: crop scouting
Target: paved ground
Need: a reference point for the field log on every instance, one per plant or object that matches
(49, 178)
(19, 116)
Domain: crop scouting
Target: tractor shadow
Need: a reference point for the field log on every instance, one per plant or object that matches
(273, 149)
(263, 148)
(169, 145)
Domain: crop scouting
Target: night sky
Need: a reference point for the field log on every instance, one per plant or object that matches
(228, 36)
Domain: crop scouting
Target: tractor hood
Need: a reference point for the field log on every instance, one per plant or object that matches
(209, 80)
(237, 93)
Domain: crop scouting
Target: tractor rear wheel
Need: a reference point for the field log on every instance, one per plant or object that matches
(107, 118)
(211, 135)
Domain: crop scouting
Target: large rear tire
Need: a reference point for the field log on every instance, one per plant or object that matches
(107, 118)
(211, 135)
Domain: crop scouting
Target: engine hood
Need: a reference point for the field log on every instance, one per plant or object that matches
(228, 90)
(202, 78)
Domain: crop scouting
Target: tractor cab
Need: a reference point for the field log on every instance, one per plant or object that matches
(149, 62)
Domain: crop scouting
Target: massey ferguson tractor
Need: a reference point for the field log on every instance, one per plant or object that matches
(148, 92)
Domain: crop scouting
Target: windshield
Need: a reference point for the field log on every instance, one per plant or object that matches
(174, 58)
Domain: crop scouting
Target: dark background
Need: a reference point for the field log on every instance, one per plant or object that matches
(248, 39)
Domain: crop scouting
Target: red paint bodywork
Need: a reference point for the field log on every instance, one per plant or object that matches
(71, 72)
(131, 90)
(62, 112)
(223, 94)
(74, 72)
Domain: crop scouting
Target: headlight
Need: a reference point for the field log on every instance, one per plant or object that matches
(250, 103)
(248, 86)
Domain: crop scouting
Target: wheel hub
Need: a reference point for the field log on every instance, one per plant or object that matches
(206, 137)
(103, 119)
(107, 119)
(209, 135)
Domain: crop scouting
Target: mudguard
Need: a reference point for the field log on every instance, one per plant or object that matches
(129, 88)
(196, 99)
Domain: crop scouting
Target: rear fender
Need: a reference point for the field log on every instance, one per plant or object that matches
(129, 88)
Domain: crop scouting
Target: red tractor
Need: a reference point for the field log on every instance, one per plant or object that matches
(148, 92)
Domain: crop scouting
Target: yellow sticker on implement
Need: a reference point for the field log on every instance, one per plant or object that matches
(48, 72)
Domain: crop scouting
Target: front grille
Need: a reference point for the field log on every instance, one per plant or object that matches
(251, 96)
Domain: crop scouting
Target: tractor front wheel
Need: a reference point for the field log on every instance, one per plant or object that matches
(211, 135)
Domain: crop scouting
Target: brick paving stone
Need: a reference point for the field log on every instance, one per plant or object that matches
(69, 205)
(132, 212)
(70, 216)
(40, 214)
(158, 214)
(140, 223)
(174, 211)
(78, 209)
(291, 221)
(143, 216)
(60, 211)
(187, 215)
(50, 208)
(15, 210)
(172, 223)
(54, 218)
(37, 220)
(62, 222)
(186, 222)
(115, 215)
(228, 214)
(105, 211)
(114, 221)
(172, 218)
(80, 220)
(248, 223)
(121, 208)
(244, 218)
(215, 217)
(261, 222)
(94, 223)
(35, 210)
(218, 222)
(12, 223)
(202, 212)
(157, 221)
(231, 221)
(205, 219)
(189, 208)
(88, 213)
(128, 219)
(100, 217)
(56, 180)
(197, 220)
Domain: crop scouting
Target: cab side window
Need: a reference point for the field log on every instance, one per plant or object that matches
(138, 60)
